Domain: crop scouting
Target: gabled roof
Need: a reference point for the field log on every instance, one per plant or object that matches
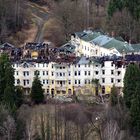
(88, 35)
(136, 47)
(26, 64)
(91, 36)
(6, 46)
(118, 45)
(101, 40)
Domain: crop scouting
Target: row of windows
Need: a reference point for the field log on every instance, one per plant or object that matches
(86, 48)
(86, 65)
(112, 80)
(77, 73)
(61, 67)
(112, 72)
(60, 74)
(26, 73)
(27, 66)
(44, 81)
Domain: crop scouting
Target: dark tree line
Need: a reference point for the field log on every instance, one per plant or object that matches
(132, 96)
(10, 95)
(124, 18)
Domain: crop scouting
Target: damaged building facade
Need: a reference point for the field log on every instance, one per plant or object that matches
(90, 63)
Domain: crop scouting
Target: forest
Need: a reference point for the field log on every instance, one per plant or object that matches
(13, 18)
(120, 18)
(109, 16)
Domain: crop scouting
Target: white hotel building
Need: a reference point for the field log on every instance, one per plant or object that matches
(71, 78)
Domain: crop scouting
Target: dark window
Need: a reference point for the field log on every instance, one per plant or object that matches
(24, 82)
(46, 72)
(43, 72)
(52, 73)
(119, 80)
(79, 82)
(24, 73)
(119, 72)
(17, 72)
(60, 74)
(88, 72)
(112, 71)
(103, 80)
(112, 80)
(18, 81)
(75, 73)
(28, 82)
(103, 71)
(85, 72)
(96, 72)
(69, 82)
(75, 81)
(43, 81)
(79, 73)
(38, 72)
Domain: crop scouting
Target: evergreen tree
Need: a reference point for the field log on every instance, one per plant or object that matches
(19, 96)
(3, 61)
(9, 97)
(114, 96)
(132, 76)
(115, 5)
(135, 111)
(133, 7)
(37, 95)
(8, 93)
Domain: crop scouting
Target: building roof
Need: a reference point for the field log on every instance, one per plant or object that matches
(35, 46)
(88, 35)
(118, 45)
(136, 47)
(101, 40)
(83, 60)
(91, 36)
(6, 46)
(67, 48)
